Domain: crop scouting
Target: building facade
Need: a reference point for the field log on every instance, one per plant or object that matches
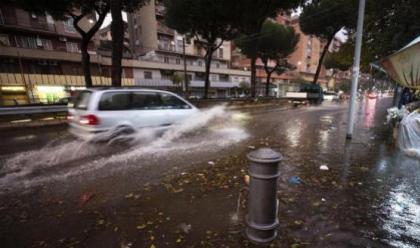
(40, 57)
(152, 41)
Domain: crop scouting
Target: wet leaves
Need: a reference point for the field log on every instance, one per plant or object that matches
(141, 227)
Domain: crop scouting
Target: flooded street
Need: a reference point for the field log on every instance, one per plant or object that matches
(185, 187)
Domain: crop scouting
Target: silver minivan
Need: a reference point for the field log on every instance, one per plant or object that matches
(100, 114)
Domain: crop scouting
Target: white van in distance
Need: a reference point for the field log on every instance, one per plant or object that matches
(100, 114)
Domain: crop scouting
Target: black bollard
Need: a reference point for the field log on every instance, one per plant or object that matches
(262, 218)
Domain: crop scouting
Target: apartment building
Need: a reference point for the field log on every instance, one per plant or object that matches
(104, 42)
(152, 41)
(40, 57)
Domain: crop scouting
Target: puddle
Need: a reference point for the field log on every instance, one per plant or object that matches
(211, 129)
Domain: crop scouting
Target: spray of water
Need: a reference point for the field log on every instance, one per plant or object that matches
(211, 129)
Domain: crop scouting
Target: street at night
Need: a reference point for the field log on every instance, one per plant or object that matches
(188, 186)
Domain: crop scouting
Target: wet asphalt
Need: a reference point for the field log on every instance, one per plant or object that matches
(190, 192)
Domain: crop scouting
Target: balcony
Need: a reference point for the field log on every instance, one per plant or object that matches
(166, 46)
(165, 30)
(193, 83)
(34, 25)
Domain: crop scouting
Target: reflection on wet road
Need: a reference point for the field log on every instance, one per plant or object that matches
(369, 197)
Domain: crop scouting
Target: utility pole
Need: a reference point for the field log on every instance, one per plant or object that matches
(356, 68)
(185, 84)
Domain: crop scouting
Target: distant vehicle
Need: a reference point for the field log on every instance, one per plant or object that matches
(64, 100)
(102, 114)
(331, 96)
(309, 93)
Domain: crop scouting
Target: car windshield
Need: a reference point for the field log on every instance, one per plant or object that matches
(82, 100)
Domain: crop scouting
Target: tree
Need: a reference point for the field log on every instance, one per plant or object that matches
(117, 33)
(324, 19)
(77, 10)
(210, 22)
(251, 15)
(244, 86)
(275, 47)
(389, 26)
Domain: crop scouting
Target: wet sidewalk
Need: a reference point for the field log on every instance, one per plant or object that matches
(368, 197)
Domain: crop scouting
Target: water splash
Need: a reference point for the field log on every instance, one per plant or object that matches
(211, 129)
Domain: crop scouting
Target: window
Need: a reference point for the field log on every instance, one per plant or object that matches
(221, 53)
(4, 40)
(50, 20)
(147, 75)
(115, 101)
(224, 77)
(214, 77)
(47, 44)
(200, 63)
(166, 59)
(26, 42)
(217, 65)
(146, 100)
(82, 100)
(68, 26)
(137, 42)
(72, 47)
(173, 102)
(178, 61)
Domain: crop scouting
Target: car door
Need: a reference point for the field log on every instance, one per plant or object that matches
(114, 109)
(176, 109)
(148, 109)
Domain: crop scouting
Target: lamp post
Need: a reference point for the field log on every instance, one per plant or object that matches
(356, 68)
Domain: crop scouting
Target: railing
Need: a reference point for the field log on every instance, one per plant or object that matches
(30, 110)
(165, 30)
(193, 83)
(33, 24)
(54, 79)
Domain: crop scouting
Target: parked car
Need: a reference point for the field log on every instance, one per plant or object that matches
(330, 96)
(308, 93)
(101, 114)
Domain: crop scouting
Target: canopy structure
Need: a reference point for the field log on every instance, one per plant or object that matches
(404, 65)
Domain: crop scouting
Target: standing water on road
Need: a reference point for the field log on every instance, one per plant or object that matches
(210, 129)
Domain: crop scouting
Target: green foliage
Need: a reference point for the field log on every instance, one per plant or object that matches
(177, 78)
(324, 18)
(244, 85)
(210, 22)
(251, 15)
(390, 25)
(278, 41)
(337, 61)
(206, 20)
(61, 9)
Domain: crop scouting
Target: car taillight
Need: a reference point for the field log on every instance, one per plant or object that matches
(70, 117)
(91, 120)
